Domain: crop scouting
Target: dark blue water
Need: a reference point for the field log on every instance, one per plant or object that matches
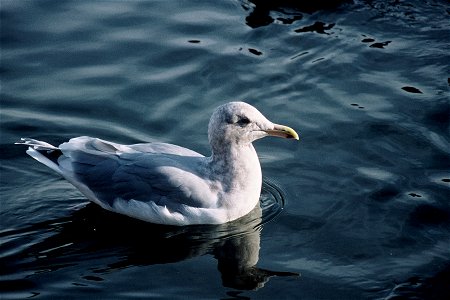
(360, 208)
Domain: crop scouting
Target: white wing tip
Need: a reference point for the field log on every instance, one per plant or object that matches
(37, 145)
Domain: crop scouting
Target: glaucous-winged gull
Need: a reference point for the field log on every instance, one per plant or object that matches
(168, 184)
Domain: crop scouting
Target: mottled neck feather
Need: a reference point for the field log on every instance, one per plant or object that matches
(237, 164)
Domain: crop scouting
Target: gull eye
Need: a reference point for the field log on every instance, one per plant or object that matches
(243, 121)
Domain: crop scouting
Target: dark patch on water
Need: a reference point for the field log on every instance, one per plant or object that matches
(93, 278)
(260, 11)
(7, 286)
(429, 215)
(437, 116)
(385, 194)
(411, 89)
(254, 51)
(319, 59)
(380, 45)
(415, 195)
(318, 27)
(436, 287)
(357, 105)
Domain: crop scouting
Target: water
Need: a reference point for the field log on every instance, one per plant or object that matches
(359, 208)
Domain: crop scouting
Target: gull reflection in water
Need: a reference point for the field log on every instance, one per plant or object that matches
(127, 242)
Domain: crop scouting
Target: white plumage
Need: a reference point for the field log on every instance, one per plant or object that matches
(168, 184)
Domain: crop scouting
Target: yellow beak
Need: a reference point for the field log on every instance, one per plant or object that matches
(283, 131)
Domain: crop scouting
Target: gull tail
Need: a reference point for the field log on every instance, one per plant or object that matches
(37, 145)
(43, 152)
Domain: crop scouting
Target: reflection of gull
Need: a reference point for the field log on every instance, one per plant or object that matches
(100, 243)
(167, 184)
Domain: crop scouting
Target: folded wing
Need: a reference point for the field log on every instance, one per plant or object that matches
(164, 174)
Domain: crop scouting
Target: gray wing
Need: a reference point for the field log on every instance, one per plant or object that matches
(164, 148)
(165, 174)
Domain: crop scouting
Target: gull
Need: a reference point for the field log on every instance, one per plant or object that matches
(167, 184)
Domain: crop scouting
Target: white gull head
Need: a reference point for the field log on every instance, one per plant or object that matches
(239, 123)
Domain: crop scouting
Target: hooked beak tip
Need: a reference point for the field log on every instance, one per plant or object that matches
(283, 131)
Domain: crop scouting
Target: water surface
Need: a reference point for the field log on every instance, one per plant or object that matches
(364, 195)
